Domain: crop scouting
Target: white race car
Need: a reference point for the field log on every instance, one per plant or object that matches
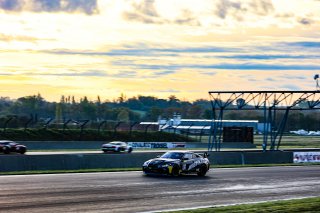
(116, 146)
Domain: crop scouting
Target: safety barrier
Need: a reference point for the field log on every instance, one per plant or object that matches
(17, 162)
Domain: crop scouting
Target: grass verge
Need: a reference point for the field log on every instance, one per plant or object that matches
(296, 205)
(139, 169)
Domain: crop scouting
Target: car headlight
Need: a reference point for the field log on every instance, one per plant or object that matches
(146, 163)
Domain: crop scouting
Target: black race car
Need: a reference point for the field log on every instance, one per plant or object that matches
(9, 146)
(175, 163)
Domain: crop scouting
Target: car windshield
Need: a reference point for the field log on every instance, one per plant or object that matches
(173, 155)
(5, 143)
(116, 143)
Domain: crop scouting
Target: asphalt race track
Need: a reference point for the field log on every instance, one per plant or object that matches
(135, 192)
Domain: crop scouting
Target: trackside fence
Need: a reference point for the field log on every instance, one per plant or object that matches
(16, 162)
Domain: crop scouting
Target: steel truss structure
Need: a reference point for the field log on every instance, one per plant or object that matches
(269, 101)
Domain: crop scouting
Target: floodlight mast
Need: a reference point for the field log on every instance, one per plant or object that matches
(316, 78)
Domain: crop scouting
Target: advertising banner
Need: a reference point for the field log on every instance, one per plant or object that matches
(306, 157)
(155, 145)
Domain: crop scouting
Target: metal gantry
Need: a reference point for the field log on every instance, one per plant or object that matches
(269, 101)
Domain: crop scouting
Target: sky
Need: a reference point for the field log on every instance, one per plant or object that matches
(156, 47)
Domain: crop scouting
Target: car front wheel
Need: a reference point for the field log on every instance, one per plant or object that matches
(175, 171)
(6, 150)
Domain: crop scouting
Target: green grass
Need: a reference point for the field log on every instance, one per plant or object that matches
(293, 141)
(296, 205)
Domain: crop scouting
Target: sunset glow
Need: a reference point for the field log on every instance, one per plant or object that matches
(156, 47)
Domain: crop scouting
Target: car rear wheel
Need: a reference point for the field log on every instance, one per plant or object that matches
(130, 150)
(22, 151)
(202, 171)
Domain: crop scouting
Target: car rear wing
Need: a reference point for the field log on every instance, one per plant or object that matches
(205, 154)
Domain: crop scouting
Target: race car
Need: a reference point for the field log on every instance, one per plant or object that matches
(175, 163)
(116, 146)
(7, 146)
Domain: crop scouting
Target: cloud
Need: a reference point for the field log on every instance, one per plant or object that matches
(304, 44)
(147, 8)
(146, 12)
(269, 57)
(137, 50)
(129, 16)
(100, 73)
(87, 73)
(305, 47)
(162, 73)
(291, 17)
(252, 79)
(223, 66)
(168, 91)
(270, 79)
(187, 18)
(293, 77)
(11, 5)
(9, 38)
(262, 7)
(88, 7)
(239, 9)
(256, 66)
(224, 7)
(305, 21)
(291, 87)
(143, 12)
(209, 73)
(115, 52)
(46, 5)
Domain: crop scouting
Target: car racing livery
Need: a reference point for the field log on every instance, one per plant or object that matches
(116, 146)
(175, 163)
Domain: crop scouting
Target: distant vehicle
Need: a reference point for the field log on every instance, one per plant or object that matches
(175, 163)
(9, 146)
(116, 146)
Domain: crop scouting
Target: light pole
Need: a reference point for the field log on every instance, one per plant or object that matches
(316, 78)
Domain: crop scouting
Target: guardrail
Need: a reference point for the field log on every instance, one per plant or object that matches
(16, 162)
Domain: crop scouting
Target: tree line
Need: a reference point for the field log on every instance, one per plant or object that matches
(135, 109)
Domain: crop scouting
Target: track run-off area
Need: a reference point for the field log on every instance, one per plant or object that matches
(135, 192)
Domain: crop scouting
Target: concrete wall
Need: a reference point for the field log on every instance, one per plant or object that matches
(16, 162)
(52, 145)
(242, 158)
